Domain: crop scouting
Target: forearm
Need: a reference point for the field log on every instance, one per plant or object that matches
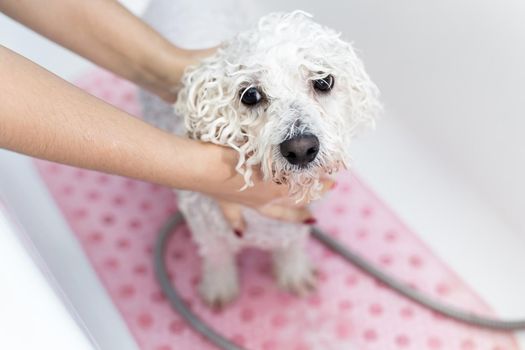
(106, 33)
(46, 117)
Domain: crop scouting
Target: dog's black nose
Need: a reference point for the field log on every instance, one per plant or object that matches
(301, 149)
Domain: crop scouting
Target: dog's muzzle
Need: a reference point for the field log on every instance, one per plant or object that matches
(300, 150)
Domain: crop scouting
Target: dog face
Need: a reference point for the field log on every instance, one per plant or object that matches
(288, 95)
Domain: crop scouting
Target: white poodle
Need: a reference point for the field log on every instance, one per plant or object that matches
(288, 95)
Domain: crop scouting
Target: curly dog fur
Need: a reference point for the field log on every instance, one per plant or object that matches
(284, 58)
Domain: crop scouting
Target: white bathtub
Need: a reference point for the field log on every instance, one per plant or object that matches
(448, 156)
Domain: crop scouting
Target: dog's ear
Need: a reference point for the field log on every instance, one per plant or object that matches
(362, 94)
(363, 97)
(206, 102)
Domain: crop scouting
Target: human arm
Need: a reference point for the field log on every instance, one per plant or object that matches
(106, 33)
(109, 35)
(43, 116)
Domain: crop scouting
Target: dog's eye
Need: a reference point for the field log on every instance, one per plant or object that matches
(324, 84)
(251, 96)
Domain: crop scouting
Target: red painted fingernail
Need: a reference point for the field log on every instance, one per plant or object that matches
(238, 233)
(310, 221)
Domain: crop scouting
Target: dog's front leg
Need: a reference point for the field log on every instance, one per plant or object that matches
(293, 268)
(213, 235)
(219, 282)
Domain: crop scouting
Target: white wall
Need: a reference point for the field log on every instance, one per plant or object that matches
(453, 72)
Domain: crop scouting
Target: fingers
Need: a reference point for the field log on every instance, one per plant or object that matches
(284, 209)
(288, 213)
(202, 53)
(263, 191)
(328, 184)
(233, 214)
(287, 209)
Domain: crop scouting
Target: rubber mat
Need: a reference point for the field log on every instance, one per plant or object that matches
(116, 220)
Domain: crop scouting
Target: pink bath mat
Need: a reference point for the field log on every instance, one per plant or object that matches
(116, 221)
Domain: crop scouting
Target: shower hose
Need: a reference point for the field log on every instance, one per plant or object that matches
(345, 253)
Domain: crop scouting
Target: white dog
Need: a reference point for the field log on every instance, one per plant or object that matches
(288, 96)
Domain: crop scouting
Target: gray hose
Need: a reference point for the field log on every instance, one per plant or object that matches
(411, 293)
(222, 343)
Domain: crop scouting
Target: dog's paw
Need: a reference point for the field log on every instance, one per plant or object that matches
(295, 275)
(219, 286)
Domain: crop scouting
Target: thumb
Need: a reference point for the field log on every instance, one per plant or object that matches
(288, 213)
(233, 214)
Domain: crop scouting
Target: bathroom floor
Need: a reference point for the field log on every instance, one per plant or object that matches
(430, 197)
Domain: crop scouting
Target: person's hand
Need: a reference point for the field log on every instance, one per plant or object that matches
(54, 120)
(93, 29)
(280, 207)
(216, 176)
(57, 121)
(165, 84)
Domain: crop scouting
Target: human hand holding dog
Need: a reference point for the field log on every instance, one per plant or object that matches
(50, 119)
(267, 198)
(43, 116)
(106, 33)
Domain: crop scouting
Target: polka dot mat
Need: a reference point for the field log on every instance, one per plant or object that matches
(116, 220)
